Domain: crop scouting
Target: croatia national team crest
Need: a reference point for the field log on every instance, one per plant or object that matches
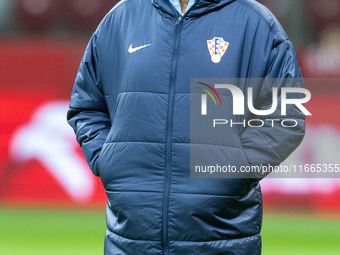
(217, 47)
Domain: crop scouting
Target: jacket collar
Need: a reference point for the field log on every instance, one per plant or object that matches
(200, 8)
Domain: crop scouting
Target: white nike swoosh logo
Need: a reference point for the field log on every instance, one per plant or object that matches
(132, 50)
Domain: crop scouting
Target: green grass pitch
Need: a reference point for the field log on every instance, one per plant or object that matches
(52, 232)
(72, 232)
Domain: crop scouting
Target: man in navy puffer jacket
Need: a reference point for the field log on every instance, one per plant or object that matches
(130, 112)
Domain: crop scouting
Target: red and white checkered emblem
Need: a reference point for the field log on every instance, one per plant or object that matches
(217, 47)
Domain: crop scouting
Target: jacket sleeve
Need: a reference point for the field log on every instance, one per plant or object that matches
(88, 114)
(273, 143)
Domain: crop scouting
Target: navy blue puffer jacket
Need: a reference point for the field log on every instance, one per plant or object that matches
(130, 112)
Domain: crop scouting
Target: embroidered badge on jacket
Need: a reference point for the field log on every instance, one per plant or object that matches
(217, 47)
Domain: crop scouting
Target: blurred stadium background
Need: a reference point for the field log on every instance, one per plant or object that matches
(49, 201)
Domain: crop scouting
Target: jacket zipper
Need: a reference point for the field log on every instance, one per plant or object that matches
(172, 86)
